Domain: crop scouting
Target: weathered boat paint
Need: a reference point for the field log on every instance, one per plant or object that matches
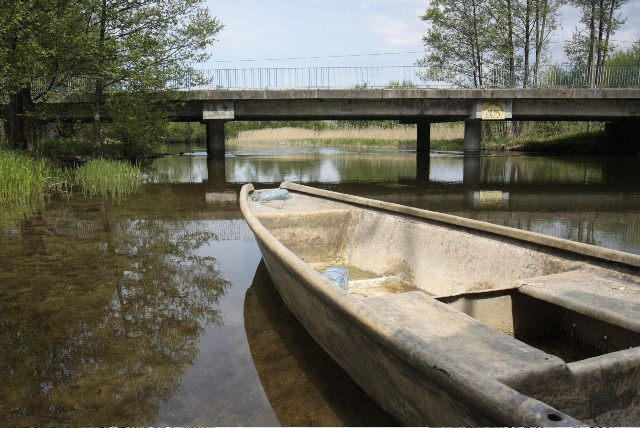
(451, 350)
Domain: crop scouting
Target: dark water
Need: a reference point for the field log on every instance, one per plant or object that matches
(157, 310)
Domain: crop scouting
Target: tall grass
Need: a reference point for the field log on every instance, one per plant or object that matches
(25, 183)
(373, 136)
(108, 179)
(26, 180)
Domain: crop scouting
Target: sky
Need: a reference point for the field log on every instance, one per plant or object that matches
(339, 33)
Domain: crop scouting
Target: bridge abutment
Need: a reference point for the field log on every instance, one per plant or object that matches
(215, 137)
(472, 136)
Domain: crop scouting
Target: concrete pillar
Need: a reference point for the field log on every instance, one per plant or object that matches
(215, 137)
(423, 137)
(472, 136)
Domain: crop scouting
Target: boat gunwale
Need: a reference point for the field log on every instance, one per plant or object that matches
(582, 249)
(498, 401)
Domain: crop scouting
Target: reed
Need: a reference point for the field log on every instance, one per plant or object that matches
(372, 136)
(25, 180)
(108, 179)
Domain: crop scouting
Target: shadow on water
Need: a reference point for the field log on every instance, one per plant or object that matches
(304, 385)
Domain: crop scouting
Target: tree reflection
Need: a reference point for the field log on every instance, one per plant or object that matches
(105, 325)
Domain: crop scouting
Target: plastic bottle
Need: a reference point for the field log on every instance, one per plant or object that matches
(272, 195)
(338, 275)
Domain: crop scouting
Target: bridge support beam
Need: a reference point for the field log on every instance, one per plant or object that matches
(472, 136)
(215, 137)
(423, 137)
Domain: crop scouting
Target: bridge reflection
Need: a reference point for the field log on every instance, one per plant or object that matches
(516, 183)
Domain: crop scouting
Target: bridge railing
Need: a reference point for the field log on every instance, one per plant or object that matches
(547, 76)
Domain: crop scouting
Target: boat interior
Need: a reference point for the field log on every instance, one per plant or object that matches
(570, 315)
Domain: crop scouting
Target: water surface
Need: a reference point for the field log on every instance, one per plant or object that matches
(158, 310)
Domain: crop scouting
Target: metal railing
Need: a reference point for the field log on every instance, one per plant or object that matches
(547, 76)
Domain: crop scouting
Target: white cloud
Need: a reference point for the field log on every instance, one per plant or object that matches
(396, 32)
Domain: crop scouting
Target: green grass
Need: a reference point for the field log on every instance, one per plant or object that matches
(454, 145)
(25, 179)
(108, 179)
(576, 143)
(25, 184)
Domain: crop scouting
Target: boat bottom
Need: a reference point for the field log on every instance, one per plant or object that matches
(363, 283)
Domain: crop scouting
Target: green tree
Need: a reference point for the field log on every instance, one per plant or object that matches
(457, 38)
(624, 70)
(589, 45)
(119, 45)
(146, 45)
(41, 45)
(625, 57)
(476, 36)
(533, 22)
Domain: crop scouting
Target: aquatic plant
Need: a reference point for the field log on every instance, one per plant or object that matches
(27, 180)
(25, 183)
(108, 178)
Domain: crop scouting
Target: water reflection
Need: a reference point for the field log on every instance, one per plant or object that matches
(141, 313)
(595, 200)
(304, 385)
(100, 316)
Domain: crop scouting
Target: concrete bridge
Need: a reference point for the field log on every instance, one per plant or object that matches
(619, 107)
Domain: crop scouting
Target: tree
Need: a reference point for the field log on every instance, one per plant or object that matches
(625, 67)
(589, 45)
(126, 45)
(477, 36)
(40, 45)
(458, 38)
(145, 46)
(629, 56)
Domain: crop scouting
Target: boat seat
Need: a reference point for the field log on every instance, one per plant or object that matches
(422, 322)
(604, 298)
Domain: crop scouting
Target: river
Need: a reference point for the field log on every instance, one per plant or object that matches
(158, 311)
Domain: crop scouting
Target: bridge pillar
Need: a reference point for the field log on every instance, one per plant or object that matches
(472, 136)
(423, 137)
(215, 137)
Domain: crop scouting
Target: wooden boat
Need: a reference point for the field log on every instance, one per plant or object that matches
(451, 321)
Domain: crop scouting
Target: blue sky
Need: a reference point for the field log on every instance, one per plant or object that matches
(310, 33)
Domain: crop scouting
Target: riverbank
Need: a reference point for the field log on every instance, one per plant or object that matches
(400, 137)
(561, 139)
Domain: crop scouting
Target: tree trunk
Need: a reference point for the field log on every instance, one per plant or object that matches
(22, 125)
(99, 88)
(97, 118)
(510, 48)
(592, 43)
(476, 45)
(527, 40)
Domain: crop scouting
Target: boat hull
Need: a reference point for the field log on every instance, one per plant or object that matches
(424, 377)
